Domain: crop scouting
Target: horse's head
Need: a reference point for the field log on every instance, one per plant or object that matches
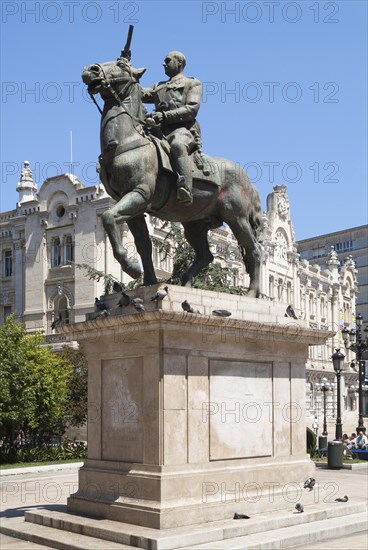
(111, 78)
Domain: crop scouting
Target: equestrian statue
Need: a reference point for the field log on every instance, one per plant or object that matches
(153, 162)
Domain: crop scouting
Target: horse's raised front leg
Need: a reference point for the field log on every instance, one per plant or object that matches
(131, 205)
(196, 235)
(143, 243)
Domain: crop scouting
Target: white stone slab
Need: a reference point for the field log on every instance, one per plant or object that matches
(240, 398)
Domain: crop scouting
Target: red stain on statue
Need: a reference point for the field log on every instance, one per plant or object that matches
(223, 192)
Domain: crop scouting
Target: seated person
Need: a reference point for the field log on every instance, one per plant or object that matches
(361, 441)
(345, 439)
(352, 441)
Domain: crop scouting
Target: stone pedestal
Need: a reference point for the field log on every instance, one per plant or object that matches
(193, 417)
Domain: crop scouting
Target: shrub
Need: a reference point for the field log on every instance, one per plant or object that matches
(311, 442)
(43, 453)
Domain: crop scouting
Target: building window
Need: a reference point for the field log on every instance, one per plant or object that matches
(344, 246)
(164, 261)
(155, 255)
(323, 308)
(271, 287)
(161, 259)
(288, 293)
(69, 250)
(60, 211)
(7, 311)
(56, 252)
(62, 311)
(280, 289)
(8, 263)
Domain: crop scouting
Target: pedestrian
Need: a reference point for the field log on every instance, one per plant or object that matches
(315, 425)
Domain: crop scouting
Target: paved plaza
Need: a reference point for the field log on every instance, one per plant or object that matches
(41, 488)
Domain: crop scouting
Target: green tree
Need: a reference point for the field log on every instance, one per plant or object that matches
(213, 277)
(33, 382)
(75, 410)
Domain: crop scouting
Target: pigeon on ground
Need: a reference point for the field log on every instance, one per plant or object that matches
(240, 516)
(100, 305)
(138, 306)
(124, 300)
(188, 308)
(56, 322)
(299, 507)
(342, 499)
(310, 483)
(160, 295)
(290, 312)
(117, 287)
(221, 313)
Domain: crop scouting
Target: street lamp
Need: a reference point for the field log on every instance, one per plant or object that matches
(338, 362)
(358, 343)
(324, 386)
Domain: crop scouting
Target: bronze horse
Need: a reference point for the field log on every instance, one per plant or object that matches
(132, 174)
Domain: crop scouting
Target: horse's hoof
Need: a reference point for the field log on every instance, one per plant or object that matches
(133, 270)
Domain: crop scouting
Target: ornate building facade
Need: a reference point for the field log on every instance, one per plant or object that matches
(51, 231)
(352, 242)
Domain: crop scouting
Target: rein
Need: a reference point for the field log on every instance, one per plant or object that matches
(121, 97)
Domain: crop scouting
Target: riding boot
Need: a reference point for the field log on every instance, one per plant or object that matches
(184, 181)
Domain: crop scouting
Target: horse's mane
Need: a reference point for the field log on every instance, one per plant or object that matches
(136, 92)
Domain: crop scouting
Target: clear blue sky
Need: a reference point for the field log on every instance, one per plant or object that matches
(285, 88)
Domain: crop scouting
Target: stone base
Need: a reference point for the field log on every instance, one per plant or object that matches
(255, 487)
(191, 414)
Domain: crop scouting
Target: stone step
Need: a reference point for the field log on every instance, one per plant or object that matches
(286, 523)
(56, 538)
(289, 537)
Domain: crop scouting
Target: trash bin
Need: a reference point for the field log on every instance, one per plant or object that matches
(334, 455)
(322, 442)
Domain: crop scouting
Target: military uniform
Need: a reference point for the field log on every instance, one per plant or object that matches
(178, 99)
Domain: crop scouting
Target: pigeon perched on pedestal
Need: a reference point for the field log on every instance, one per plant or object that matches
(290, 312)
(342, 499)
(188, 308)
(221, 313)
(310, 483)
(135, 301)
(124, 300)
(240, 516)
(100, 305)
(138, 306)
(117, 287)
(160, 295)
(299, 507)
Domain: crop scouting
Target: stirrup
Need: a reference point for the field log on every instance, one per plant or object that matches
(184, 195)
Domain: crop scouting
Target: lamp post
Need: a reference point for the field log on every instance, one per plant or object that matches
(324, 386)
(338, 362)
(356, 342)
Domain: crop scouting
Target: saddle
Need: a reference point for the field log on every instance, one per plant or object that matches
(203, 167)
